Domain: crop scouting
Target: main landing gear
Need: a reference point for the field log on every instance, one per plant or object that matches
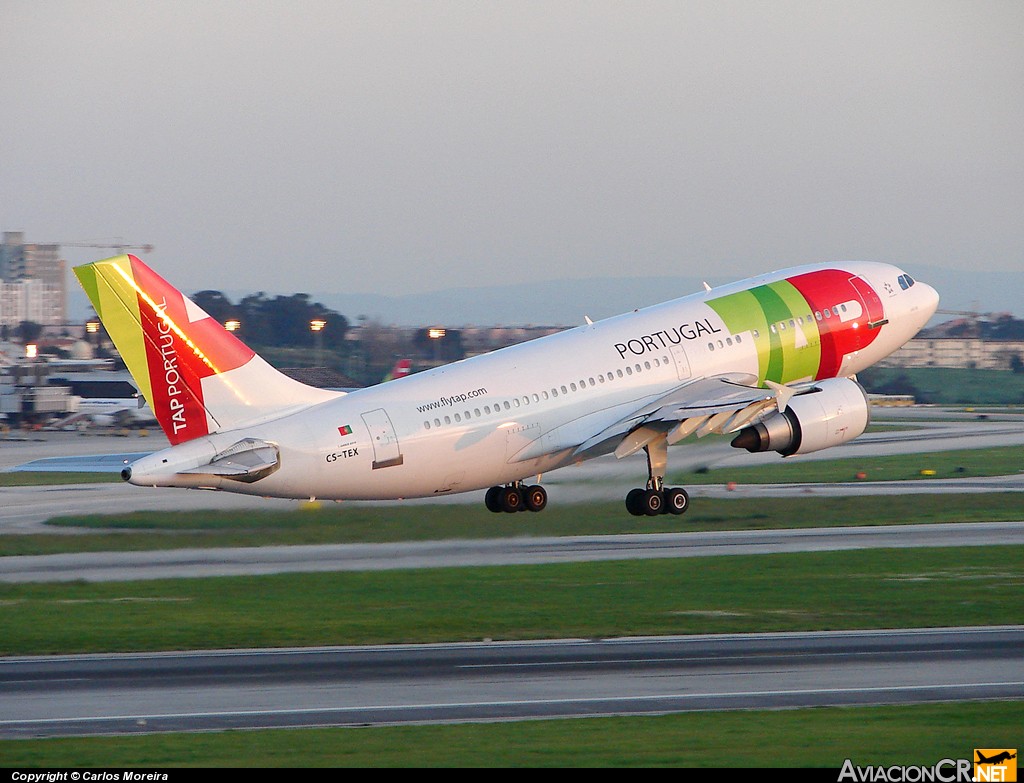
(655, 499)
(516, 497)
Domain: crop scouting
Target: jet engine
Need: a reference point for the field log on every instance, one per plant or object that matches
(835, 412)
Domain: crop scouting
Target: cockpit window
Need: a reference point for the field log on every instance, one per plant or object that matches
(903, 282)
(910, 280)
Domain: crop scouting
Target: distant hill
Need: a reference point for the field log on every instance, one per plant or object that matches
(566, 302)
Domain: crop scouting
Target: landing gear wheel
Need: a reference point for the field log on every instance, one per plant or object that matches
(493, 500)
(653, 502)
(634, 502)
(677, 500)
(511, 500)
(535, 498)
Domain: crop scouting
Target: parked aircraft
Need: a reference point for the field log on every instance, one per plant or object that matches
(771, 359)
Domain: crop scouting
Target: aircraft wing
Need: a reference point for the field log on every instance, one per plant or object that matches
(720, 404)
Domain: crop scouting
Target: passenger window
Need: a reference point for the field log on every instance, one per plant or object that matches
(817, 314)
(792, 323)
(593, 382)
(638, 368)
(573, 386)
(437, 422)
(426, 425)
(774, 330)
(476, 412)
(536, 397)
(600, 378)
(711, 346)
(566, 391)
(647, 365)
(629, 370)
(515, 401)
(756, 334)
(782, 326)
(843, 307)
(721, 344)
(611, 376)
(507, 406)
(728, 341)
(738, 339)
(827, 313)
(447, 419)
(545, 395)
(487, 409)
(458, 417)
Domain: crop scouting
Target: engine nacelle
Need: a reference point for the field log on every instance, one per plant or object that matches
(838, 412)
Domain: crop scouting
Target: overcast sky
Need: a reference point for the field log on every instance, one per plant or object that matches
(414, 146)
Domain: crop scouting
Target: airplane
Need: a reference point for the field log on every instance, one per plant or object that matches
(104, 399)
(999, 758)
(772, 359)
(402, 368)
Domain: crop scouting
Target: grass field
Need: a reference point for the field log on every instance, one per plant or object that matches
(351, 523)
(813, 591)
(824, 737)
(964, 463)
(784, 592)
(41, 479)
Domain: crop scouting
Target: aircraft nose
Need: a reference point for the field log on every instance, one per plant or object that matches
(929, 299)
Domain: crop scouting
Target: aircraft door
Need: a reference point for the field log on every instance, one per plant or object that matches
(386, 449)
(872, 308)
(682, 363)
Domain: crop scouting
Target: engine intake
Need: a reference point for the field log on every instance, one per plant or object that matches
(837, 411)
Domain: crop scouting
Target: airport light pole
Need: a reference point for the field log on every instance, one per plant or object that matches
(92, 328)
(317, 327)
(436, 335)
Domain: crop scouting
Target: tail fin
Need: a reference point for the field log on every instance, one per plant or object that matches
(197, 376)
(402, 368)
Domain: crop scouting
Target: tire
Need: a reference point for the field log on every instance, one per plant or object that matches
(634, 502)
(493, 500)
(677, 501)
(535, 498)
(653, 502)
(511, 500)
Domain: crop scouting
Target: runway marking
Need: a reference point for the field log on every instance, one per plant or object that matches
(707, 658)
(515, 703)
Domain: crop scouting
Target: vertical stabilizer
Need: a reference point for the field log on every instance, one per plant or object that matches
(198, 377)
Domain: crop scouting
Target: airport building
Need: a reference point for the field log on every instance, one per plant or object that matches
(33, 282)
(972, 353)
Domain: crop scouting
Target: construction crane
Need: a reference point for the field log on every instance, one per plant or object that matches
(119, 245)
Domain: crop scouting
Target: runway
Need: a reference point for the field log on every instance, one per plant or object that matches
(349, 686)
(193, 563)
(137, 693)
(25, 509)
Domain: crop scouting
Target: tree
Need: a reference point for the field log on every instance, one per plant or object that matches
(28, 331)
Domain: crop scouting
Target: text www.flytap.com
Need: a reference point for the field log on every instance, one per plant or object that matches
(446, 402)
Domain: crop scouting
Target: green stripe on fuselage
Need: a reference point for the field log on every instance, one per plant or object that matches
(783, 355)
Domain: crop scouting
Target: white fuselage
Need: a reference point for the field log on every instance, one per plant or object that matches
(523, 410)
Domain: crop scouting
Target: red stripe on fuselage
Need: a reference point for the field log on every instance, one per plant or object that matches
(826, 289)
